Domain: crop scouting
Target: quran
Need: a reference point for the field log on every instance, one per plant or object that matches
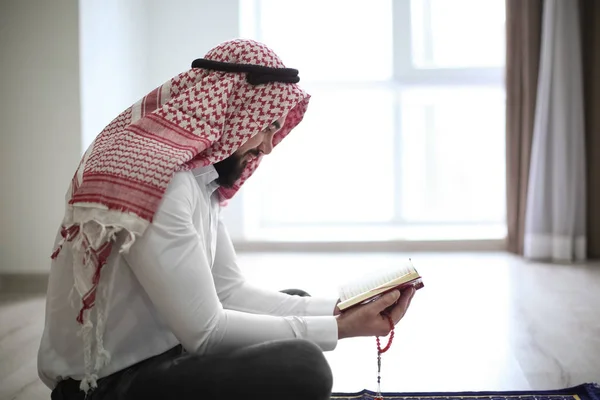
(377, 283)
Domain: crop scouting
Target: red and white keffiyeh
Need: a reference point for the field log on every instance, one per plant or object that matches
(197, 118)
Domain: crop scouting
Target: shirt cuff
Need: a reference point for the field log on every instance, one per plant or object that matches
(320, 306)
(323, 331)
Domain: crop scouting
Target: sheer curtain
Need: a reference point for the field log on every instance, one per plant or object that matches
(555, 225)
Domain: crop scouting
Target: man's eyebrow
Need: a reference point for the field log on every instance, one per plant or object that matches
(277, 125)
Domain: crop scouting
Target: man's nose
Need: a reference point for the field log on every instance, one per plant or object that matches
(267, 145)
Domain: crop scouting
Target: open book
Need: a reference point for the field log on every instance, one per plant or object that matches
(376, 283)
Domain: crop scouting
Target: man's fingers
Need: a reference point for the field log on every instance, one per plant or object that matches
(386, 300)
(400, 309)
(411, 296)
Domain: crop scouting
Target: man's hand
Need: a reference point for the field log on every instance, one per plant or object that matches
(366, 320)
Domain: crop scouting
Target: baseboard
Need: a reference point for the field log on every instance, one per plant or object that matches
(493, 245)
(26, 283)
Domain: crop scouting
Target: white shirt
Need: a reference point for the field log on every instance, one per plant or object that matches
(179, 284)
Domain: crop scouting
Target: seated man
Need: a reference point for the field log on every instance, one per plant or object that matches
(145, 298)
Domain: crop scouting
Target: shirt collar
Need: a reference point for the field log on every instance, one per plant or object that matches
(206, 177)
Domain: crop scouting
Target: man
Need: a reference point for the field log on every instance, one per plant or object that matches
(145, 299)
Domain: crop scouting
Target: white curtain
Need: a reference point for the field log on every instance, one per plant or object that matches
(555, 226)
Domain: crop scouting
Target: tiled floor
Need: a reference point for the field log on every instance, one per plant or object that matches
(484, 321)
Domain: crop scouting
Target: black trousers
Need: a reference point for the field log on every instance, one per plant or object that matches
(284, 369)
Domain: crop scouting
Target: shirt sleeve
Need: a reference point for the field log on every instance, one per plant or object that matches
(237, 294)
(170, 262)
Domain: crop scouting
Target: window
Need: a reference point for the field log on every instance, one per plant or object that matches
(404, 135)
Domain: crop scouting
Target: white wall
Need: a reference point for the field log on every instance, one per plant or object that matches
(39, 126)
(67, 68)
(148, 42)
(113, 60)
(183, 30)
(130, 47)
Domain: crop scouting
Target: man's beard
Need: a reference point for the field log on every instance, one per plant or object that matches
(231, 168)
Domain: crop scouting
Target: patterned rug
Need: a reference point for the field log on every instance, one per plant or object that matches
(588, 391)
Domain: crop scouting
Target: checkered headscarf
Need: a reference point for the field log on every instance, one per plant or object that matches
(198, 118)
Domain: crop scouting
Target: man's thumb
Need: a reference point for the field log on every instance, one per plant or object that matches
(386, 300)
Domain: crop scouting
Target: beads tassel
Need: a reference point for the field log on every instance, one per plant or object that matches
(380, 351)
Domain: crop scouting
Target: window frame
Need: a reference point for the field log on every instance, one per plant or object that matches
(404, 76)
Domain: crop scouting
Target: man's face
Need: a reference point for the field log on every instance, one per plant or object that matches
(231, 168)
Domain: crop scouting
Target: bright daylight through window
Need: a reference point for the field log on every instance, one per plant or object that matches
(404, 135)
